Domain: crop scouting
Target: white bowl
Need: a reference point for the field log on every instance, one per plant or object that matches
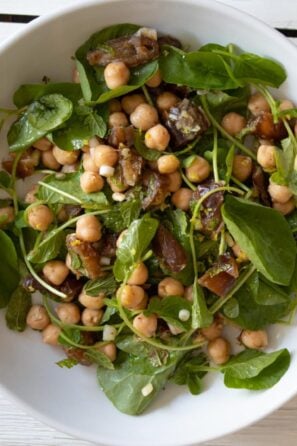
(70, 399)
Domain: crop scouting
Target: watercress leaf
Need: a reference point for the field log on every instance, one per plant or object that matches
(221, 102)
(137, 239)
(69, 337)
(188, 372)
(250, 68)
(65, 189)
(121, 215)
(200, 70)
(5, 180)
(254, 316)
(80, 128)
(106, 285)
(264, 235)
(17, 309)
(123, 386)
(142, 149)
(28, 93)
(40, 118)
(48, 248)
(201, 316)
(138, 347)
(85, 84)
(67, 363)
(256, 371)
(231, 309)
(9, 271)
(270, 294)
(99, 358)
(168, 309)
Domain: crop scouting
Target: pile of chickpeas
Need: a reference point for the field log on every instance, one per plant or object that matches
(99, 161)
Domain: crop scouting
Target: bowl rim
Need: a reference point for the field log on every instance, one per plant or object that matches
(37, 23)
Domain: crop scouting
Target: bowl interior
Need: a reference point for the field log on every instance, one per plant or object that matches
(71, 400)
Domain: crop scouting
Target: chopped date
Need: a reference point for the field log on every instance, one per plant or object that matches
(155, 188)
(263, 127)
(121, 135)
(185, 122)
(169, 250)
(88, 255)
(221, 277)
(210, 211)
(131, 164)
(261, 183)
(133, 50)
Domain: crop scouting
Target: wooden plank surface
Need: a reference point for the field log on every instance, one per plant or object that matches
(19, 429)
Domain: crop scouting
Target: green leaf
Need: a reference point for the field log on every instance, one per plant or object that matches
(67, 363)
(264, 235)
(40, 118)
(134, 244)
(9, 271)
(138, 347)
(123, 386)
(28, 93)
(145, 152)
(201, 316)
(122, 215)
(187, 372)
(200, 70)
(99, 358)
(256, 370)
(65, 189)
(231, 309)
(106, 285)
(5, 180)
(84, 123)
(222, 102)
(48, 248)
(168, 309)
(17, 309)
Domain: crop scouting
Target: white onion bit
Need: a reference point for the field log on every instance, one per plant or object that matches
(184, 315)
(109, 333)
(105, 261)
(118, 196)
(106, 171)
(147, 390)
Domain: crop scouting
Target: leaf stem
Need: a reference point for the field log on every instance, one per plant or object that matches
(216, 125)
(188, 148)
(215, 156)
(240, 184)
(241, 280)
(188, 183)
(147, 95)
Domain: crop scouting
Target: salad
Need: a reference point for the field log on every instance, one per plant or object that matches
(152, 204)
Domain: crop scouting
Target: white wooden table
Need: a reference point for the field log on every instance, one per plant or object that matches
(18, 428)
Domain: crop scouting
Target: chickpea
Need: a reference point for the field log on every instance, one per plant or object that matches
(37, 318)
(168, 164)
(118, 119)
(121, 237)
(55, 271)
(285, 208)
(93, 142)
(116, 74)
(104, 155)
(64, 156)
(166, 100)
(242, 167)
(189, 293)
(129, 103)
(50, 334)
(174, 181)
(233, 123)
(91, 317)
(155, 80)
(109, 350)
(89, 164)
(68, 313)
(175, 330)
(88, 228)
(157, 138)
(279, 193)
(40, 217)
(214, 330)
(255, 339)
(114, 106)
(199, 170)
(42, 144)
(92, 302)
(143, 304)
(7, 214)
(257, 104)
(170, 287)
(144, 117)
(285, 104)
(219, 350)
(181, 198)
(146, 325)
(266, 157)
(91, 182)
(48, 160)
(139, 276)
(131, 296)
